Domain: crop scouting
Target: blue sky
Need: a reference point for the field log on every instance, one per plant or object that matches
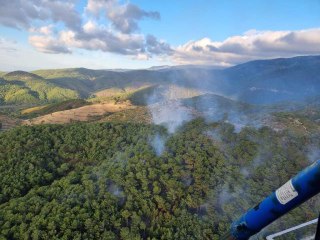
(141, 33)
(189, 19)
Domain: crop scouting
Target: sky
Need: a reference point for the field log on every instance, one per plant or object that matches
(107, 34)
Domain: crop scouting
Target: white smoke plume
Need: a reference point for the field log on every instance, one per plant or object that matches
(313, 153)
(158, 144)
(170, 114)
(166, 110)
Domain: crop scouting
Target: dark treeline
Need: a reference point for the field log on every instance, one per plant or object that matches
(105, 181)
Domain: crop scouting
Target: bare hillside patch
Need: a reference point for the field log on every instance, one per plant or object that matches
(82, 114)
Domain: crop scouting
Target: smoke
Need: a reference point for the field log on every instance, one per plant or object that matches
(187, 180)
(259, 159)
(158, 144)
(166, 110)
(115, 190)
(172, 111)
(170, 114)
(225, 196)
(199, 92)
(313, 153)
(214, 134)
(245, 172)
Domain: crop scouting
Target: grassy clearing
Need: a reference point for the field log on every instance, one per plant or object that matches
(137, 115)
(51, 108)
(92, 112)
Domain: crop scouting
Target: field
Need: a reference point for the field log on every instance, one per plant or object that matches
(84, 113)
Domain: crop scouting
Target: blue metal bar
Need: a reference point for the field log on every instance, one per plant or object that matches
(299, 189)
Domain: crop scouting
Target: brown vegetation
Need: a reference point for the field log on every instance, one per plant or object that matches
(85, 113)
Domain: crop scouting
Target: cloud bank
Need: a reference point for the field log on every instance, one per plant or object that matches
(21, 14)
(249, 46)
(123, 17)
(56, 27)
(112, 26)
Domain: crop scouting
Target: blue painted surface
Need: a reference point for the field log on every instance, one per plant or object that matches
(306, 184)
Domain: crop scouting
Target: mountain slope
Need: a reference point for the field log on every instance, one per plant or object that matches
(87, 81)
(269, 81)
(23, 87)
(257, 82)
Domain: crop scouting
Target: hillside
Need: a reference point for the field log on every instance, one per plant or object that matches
(163, 153)
(21, 76)
(22, 87)
(258, 82)
(92, 112)
(87, 81)
(231, 95)
(51, 108)
(270, 81)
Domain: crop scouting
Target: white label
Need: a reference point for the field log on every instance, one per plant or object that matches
(286, 193)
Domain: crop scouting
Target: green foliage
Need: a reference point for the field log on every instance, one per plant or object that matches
(104, 181)
(12, 93)
(22, 87)
(86, 81)
(62, 73)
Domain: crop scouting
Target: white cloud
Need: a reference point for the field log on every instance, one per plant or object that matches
(47, 44)
(7, 46)
(158, 47)
(251, 45)
(21, 13)
(92, 36)
(31, 60)
(90, 27)
(47, 30)
(124, 17)
(111, 26)
(119, 37)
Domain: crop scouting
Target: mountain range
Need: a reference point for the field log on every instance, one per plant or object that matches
(256, 82)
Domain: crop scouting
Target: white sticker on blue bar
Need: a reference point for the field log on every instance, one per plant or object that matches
(286, 193)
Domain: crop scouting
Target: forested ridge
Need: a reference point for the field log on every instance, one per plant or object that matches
(105, 180)
(256, 82)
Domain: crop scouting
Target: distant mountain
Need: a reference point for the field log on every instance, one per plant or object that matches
(21, 76)
(86, 81)
(260, 82)
(270, 81)
(2, 73)
(181, 67)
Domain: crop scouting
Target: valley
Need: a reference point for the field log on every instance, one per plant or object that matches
(159, 120)
(161, 153)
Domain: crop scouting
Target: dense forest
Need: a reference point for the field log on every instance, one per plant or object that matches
(106, 180)
(26, 88)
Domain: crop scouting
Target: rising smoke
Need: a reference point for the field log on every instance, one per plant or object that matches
(158, 144)
(166, 110)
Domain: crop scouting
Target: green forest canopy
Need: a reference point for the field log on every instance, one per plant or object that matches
(105, 181)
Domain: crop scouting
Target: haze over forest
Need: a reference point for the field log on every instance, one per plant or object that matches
(127, 120)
